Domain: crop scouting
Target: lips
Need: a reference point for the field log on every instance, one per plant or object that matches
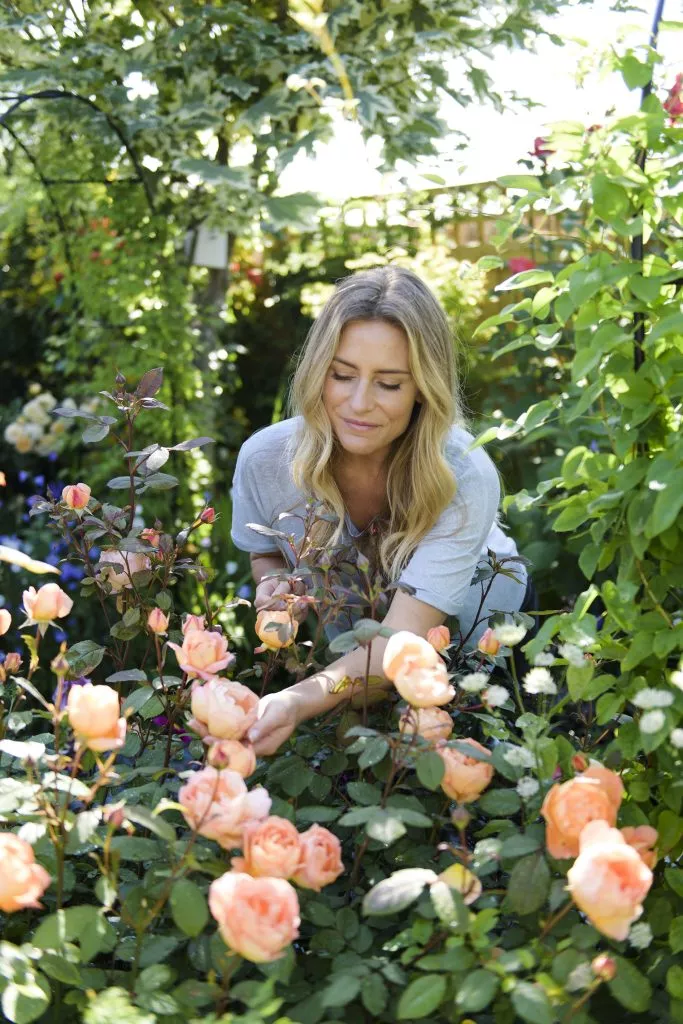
(358, 425)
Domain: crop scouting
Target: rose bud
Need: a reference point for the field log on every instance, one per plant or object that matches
(76, 496)
(238, 757)
(95, 717)
(460, 817)
(208, 515)
(465, 778)
(489, 643)
(157, 622)
(276, 629)
(579, 762)
(191, 622)
(151, 535)
(439, 637)
(5, 621)
(11, 664)
(46, 604)
(604, 967)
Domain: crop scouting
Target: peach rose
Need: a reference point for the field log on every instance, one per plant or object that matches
(157, 622)
(320, 862)
(10, 665)
(439, 637)
(151, 535)
(22, 881)
(276, 629)
(76, 496)
(460, 878)
(568, 807)
(465, 778)
(203, 654)
(424, 687)
(217, 805)
(5, 621)
(222, 708)
(119, 566)
(406, 651)
(271, 848)
(95, 717)
(46, 604)
(430, 723)
(257, 917)
(489, 642)
(238, 757)
(191, 622)
(608, 881)
(643, 838)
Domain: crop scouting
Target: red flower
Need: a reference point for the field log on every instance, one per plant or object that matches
(673, 104)
(519, 263)
(208, 515)
(541, 149)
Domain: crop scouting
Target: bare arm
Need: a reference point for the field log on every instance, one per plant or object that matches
(280, 713)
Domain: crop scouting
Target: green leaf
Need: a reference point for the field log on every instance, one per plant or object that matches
(373, 992)
(385, 826)
(373, 752)
(430, 769)
(136, 700)
(135, 848)
(519, 846)
(212, 173)
(26, 1001)
(341, 990)
(188, 906)
(421, 997)
(298, 210)
(674, 879)
(499, 803)
(397, 892)
(634, 72)
(630, 987)
(674, 981)
(676, 935)
(129, 675)
(476, 991)
(154, 822)
(532, 1004)
(97, 432)
(529, 182)
(364, 792)
(525, 279)
(83, 657)
(528, 885)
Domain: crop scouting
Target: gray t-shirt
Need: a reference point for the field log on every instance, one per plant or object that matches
(440, 569)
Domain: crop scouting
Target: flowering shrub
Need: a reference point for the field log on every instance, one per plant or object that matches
(472, 843)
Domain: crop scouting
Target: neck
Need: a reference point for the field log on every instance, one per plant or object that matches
(372, 466)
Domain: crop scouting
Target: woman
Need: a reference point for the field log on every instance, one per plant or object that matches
(378, 437)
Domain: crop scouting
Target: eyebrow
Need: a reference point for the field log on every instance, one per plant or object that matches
(354, 367)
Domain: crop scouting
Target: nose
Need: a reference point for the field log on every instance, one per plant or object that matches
(360, 400)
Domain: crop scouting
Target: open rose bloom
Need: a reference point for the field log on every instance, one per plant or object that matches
(406, 651)
(120, 566)
(276, 629)
(5, 621)
(257, 917)
(595, 795)
(222, 709)
(465, 778)
(218, 805)
(76, 496)
(320, 862)
(425, 687)
(94, 715)
(430, 723)
(22, 881)
(608, 880)
(45, 605)
(643, 839)
(271, 848)
(203, 654)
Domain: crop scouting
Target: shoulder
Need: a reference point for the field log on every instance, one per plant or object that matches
(270, 444)
(474, 470)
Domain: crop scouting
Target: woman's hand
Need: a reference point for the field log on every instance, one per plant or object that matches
(278, 717)
(269, 596)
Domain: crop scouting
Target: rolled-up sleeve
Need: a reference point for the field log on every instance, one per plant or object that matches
(441, 568)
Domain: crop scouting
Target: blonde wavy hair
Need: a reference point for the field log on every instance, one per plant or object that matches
(420, 482)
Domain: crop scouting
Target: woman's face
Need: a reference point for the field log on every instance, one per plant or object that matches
(369, 392)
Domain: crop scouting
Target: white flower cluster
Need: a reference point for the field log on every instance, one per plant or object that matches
(495, 696)
(35, 430)
(649, 697)
(527, 787)
(474, 682)
(652, 721)
(520, 757)
(676, 738)
(544, 659)
(573, 654)
(509, 633)
(539, 680)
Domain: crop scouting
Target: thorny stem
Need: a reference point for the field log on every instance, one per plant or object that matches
(555, 919)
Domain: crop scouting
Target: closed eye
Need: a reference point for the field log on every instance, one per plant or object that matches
(386, 387)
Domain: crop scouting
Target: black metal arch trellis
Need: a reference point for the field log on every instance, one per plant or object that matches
(59, 94)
